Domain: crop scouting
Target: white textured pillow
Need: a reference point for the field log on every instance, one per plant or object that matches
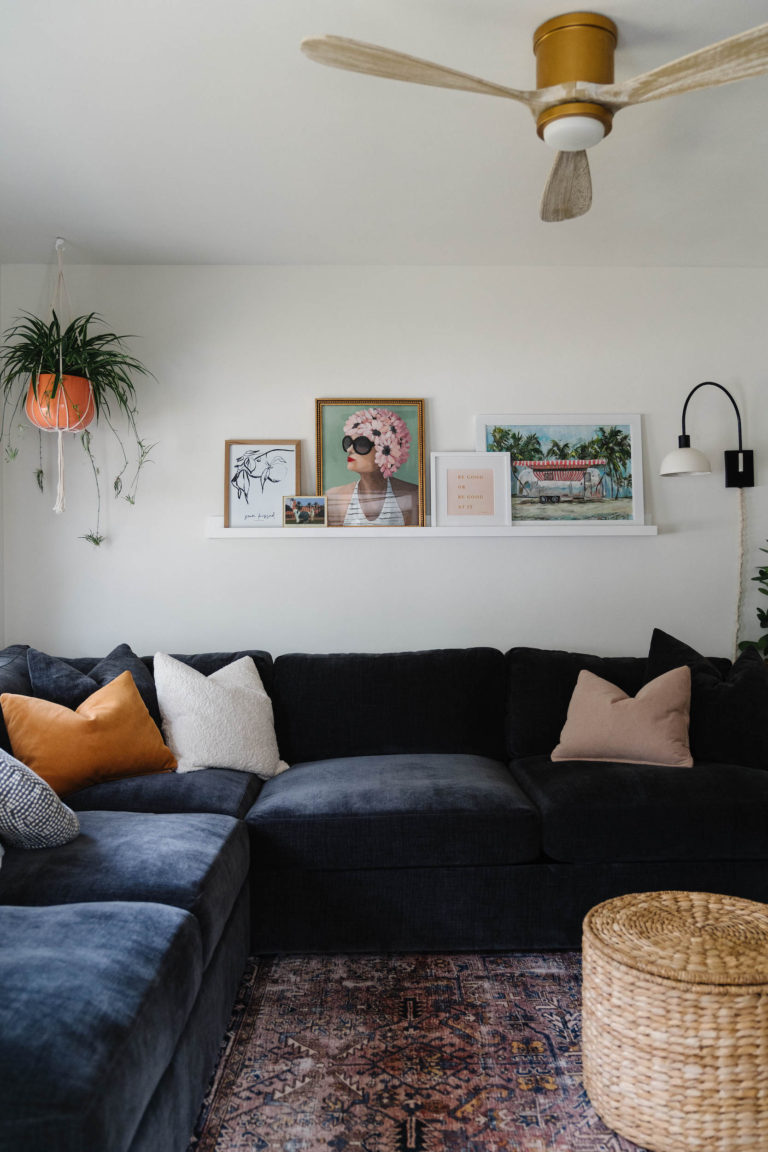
(219, 721)
(31, 814)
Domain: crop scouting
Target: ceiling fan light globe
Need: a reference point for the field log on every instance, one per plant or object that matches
(573, 133)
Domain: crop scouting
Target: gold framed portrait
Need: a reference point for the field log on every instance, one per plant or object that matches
(370, 462)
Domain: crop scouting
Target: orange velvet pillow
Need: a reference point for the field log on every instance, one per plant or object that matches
(603, 723)
(110, 735)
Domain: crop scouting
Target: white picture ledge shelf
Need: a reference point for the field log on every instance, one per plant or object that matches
(215, 530)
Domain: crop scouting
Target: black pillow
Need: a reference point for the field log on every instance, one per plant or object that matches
(56, 680)
(729, 709)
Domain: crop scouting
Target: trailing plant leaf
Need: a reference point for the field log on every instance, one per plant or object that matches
(144, 451)
(94, 537)
(40, 477)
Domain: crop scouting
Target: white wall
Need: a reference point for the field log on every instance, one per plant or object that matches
(244, 352)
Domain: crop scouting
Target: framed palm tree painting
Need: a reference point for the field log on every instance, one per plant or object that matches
(569, 468)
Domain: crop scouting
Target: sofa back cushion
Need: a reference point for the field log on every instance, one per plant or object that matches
(58, 681)
(366, 704)
(209, 662)
(540, 685)
(15, 675)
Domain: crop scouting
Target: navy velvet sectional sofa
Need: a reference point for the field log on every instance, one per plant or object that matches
(421, 811)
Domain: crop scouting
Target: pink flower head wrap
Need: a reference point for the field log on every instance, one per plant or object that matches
(387, 432)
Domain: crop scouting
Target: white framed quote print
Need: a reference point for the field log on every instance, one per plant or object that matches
(470, 489)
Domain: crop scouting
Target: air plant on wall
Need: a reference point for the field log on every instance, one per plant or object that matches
(65, 378)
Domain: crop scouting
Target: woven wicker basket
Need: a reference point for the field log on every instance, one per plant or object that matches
(675, 1020)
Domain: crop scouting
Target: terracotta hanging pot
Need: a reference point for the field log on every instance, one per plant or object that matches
(71, 408)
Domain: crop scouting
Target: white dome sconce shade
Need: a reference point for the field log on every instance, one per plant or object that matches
(739, 464)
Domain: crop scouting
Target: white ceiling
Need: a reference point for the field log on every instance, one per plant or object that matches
(195, 131)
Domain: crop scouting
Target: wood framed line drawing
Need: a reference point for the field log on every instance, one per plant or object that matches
(258, 475)
(470, 489)
(370, 462)
(569, 468)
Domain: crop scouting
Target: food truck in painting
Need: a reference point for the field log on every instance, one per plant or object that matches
(557, 481)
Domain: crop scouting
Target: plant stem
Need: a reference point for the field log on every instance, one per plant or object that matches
(93, 537)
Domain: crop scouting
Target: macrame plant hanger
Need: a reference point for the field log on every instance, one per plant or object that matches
(59, 302)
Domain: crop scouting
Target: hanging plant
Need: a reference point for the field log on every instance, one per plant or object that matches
(69, 377)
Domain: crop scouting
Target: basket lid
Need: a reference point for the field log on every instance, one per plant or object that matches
(694, 937)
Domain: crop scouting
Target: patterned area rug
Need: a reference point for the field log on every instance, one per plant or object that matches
(431, 1053)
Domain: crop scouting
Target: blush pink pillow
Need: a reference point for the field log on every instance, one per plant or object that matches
(603, 723)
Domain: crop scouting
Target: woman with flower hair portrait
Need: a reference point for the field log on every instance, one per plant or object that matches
(376, 442)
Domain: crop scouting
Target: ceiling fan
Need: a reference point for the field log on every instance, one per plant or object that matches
(576, 98)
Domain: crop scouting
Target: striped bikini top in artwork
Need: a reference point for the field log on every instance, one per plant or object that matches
(390, 515)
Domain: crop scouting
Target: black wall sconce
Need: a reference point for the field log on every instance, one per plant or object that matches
(739, 464)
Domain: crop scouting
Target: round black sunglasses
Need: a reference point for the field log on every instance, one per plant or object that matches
(361, 444)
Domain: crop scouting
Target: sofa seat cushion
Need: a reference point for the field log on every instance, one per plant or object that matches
(194, 861)
(221, 790)
(594, 811)
(94, 1000)
(393, 811)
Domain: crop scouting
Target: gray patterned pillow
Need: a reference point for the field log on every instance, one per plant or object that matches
(31, 814)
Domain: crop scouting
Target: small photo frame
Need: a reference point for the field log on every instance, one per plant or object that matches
(258, 475)
(569, 468)
(470, 489)
(370, 462)
(304, 512)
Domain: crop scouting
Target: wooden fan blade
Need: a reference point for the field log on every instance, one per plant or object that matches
(737, 58)
(356, 56)
(568, 192)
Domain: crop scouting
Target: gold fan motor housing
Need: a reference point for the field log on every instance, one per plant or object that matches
(577, 46)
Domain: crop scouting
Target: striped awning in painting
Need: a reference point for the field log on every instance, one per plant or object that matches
(559, 469)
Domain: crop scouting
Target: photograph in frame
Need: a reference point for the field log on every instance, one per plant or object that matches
(258, 475)
(569, 468)
(370, 462)
(470, 489)
(304, 512)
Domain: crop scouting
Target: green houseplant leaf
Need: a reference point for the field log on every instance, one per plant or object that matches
(762, 613)
(31, 346)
